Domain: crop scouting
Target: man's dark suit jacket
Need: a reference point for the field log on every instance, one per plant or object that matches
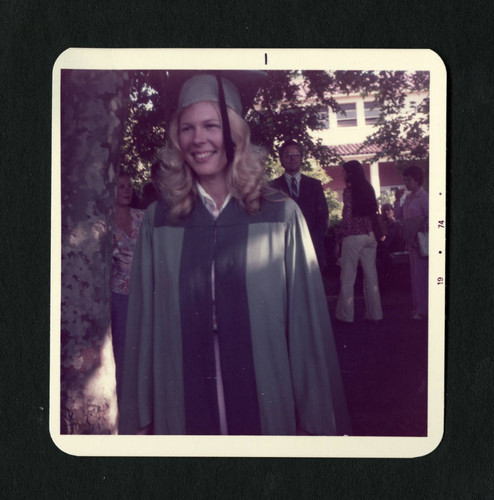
(312, 202)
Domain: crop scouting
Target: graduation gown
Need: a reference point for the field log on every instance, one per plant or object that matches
(278, 357)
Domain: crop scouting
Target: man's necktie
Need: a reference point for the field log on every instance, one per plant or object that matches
(294, 188)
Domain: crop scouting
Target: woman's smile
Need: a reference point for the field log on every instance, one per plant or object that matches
(203, 156)
(201, 139)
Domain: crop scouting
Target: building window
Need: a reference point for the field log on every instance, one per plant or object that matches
(371, 111)
(321, 117)
(349, 119)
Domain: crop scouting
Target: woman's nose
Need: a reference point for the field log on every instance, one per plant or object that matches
(198, 136)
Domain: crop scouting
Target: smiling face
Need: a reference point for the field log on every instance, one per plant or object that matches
(124, 191)
(291, 159)
(200, 137)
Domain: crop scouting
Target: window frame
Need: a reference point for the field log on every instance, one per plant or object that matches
(343, 120)
(370, 114)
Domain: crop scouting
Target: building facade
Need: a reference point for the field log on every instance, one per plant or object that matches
(346, 132)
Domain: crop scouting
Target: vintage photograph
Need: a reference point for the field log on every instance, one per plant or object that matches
(248, 252)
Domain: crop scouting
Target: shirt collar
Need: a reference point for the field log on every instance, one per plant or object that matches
(209, 203)
(420, 192)
(289, 177)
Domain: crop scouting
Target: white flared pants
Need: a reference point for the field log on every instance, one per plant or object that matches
(361, 247)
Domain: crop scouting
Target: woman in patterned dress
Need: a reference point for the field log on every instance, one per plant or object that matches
(127, 223)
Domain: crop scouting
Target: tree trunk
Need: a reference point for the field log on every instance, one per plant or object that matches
(93, 111)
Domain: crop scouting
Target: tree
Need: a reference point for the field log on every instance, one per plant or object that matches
(293, 105)
(93, 111)
(402, 129)
(288, 106)
(145, 127)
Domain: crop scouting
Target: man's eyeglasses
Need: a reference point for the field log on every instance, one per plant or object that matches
(292, 155)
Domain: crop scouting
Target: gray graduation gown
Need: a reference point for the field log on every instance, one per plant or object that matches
(278, 355)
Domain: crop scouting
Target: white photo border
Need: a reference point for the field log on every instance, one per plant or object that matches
(267, 446)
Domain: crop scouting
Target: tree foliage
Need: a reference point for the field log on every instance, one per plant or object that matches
(145, 128)
(290, 105)
(402, 129)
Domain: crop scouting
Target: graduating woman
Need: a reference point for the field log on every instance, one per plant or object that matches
(228, 329)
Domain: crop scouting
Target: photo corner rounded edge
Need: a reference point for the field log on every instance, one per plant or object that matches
(63, 442)
(433, 442)
(62, 58)
(438, 61)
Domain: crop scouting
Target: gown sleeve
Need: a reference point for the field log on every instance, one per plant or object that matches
(135, 407)
(320, 402)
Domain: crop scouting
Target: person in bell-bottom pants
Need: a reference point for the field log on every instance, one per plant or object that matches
(355, 248)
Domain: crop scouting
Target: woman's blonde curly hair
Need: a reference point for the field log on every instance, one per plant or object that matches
(245, 177)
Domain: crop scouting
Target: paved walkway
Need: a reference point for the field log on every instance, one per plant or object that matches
(384, 368)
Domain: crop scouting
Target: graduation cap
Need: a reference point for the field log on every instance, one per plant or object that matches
(236, 89)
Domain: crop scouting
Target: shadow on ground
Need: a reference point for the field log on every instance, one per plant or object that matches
(384, 368)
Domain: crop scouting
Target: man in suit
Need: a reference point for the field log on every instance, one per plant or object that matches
(307, 192)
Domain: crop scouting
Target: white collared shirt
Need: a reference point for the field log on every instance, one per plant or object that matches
(297, 178)
(210, 204)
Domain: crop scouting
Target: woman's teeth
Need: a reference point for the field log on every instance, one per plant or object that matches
(203, 156)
